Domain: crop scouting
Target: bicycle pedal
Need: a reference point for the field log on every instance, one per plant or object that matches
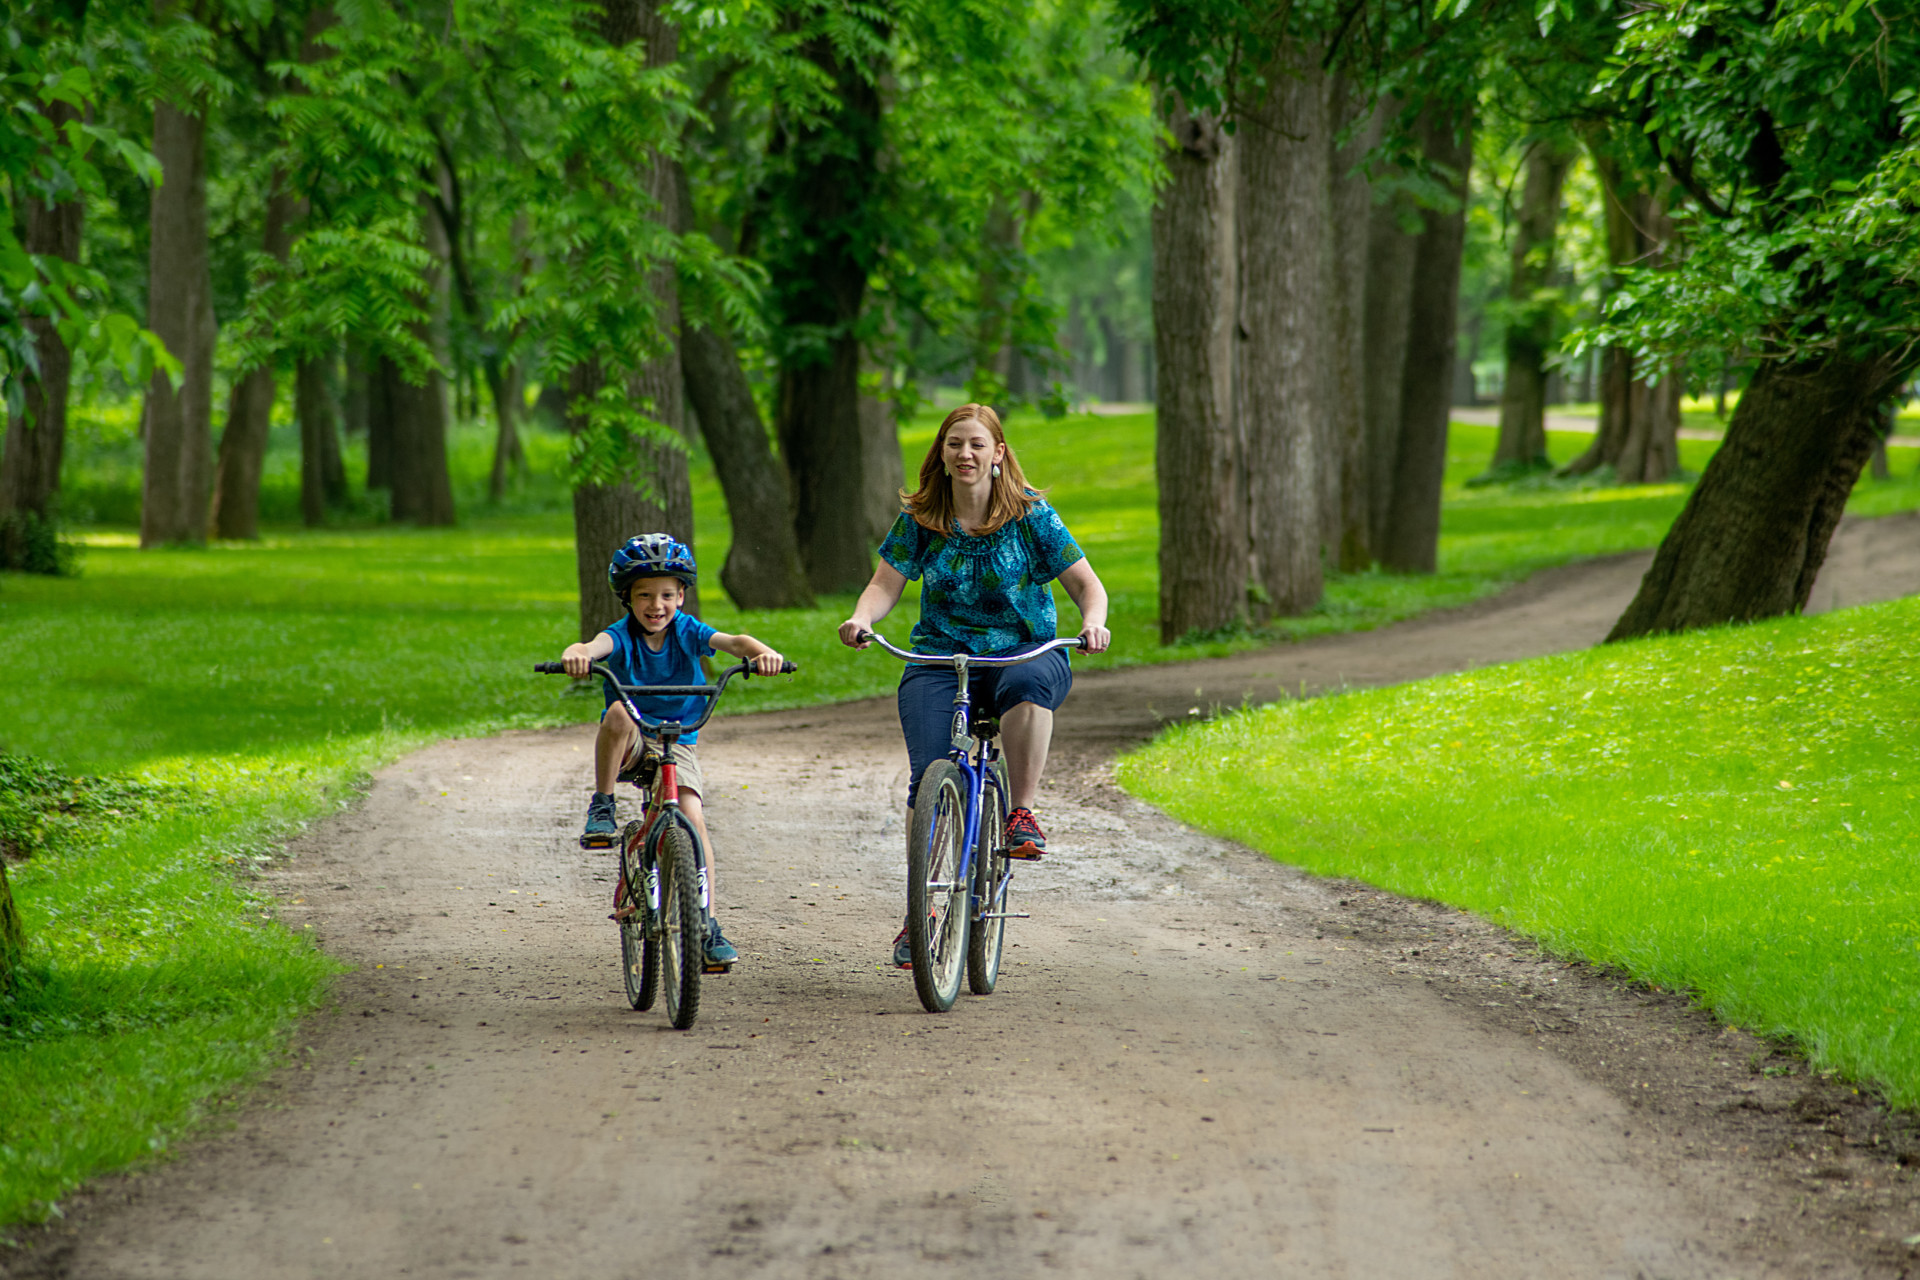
(596, 842)
(716, 968)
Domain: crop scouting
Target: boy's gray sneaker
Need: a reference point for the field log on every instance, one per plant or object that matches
(600, 825)
(720, 953)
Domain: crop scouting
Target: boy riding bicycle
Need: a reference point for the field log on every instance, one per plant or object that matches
(656, 644)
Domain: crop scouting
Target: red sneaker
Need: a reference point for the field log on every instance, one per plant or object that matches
(1024, 837)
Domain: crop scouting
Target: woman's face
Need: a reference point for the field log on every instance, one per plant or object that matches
(970, 452)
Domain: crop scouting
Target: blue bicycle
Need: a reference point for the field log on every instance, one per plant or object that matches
(958, 872)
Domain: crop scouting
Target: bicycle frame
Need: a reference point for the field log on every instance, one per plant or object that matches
(962, 738)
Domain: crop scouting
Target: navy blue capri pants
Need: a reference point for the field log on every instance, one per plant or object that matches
(926, 702)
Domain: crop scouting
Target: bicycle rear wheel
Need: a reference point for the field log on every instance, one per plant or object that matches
(683, 941)
(639, 940)
(937, 907)
(990, 884)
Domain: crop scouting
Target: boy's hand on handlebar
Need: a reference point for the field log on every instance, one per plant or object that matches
(766, 664)
(1095, 639)
(851, 632)
(576, 659)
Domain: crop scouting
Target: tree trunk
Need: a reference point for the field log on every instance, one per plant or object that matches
(417, 410)
(417, 446)
(508, 455)
(323, 480)
(1412, 542)
(1286, 236)
(659, 495)
(1755, 529)
(36, 437)
(763, 569)
(243, 445)
(1351, 533)
(604, 516)
(819, 278)
(178, 474)
(1638, 432)
(1203, 520)
(13, 934)
(1391, 254)
(378, 380)
(885, 472)
(1523, 403)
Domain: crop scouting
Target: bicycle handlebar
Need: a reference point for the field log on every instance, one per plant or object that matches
(711, 692)
(936, 659)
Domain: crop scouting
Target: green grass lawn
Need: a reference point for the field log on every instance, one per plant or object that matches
(1728, 812)
(261, 681)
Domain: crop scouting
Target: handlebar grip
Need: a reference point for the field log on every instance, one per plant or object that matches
(550, 668)
(788, 668)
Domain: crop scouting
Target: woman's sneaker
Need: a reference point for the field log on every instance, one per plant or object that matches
(601, 828)
(1024, 837)
(903, 950)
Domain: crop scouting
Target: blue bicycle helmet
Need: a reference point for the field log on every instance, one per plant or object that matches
(650, 555)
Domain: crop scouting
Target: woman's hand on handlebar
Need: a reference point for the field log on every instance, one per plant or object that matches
(1095, 639)
(577, 658)
(853, 629)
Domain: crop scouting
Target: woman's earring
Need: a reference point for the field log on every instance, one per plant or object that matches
(996, 471)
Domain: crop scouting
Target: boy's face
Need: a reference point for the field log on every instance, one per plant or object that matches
(654, 601)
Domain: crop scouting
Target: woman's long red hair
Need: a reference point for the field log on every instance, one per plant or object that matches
(1010, 499)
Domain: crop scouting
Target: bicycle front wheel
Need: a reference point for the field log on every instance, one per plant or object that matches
(937, 907)
(990, 884)
(683, 939)
(639, 940)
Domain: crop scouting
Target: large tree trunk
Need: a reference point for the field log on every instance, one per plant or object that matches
(13, 934)
(243, 445)
(1522, 444)
(417, 446)
(1350, 533)
(417, 409)
(1203, 519)
(819, 276)
(1638, 431)
(1755, 529)
(323, 478)
(885, 471)
(36, 437)
(763, 569)
(658, 497)
(604, 516)
(1286, 236)
(1391, 254)
(1412, 542)
(178, 473)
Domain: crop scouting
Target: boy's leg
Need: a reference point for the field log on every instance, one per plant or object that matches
(718, 951)
(611, 746)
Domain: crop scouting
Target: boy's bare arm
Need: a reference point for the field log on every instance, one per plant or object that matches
(766, 661)
(578, 657)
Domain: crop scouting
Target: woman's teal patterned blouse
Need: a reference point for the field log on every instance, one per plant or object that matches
(988, 594)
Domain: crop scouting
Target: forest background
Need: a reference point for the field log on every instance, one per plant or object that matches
(271, 263)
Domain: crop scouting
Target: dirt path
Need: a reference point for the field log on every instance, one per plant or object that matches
(1198, 1059)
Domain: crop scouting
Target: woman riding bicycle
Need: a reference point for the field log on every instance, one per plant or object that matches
(987, 546)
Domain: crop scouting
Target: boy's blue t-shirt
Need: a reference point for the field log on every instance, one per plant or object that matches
(678, 662)
(984, 594)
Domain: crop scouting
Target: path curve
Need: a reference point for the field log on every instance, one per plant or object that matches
(1198, 1059)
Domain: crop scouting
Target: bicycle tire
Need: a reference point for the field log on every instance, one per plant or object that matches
(937, 916)
(987, 938)
(639, 940)
(682, 939)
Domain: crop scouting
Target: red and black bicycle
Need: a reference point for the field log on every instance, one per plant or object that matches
(662, 904)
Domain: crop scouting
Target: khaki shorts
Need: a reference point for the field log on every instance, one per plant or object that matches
(686, 763)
